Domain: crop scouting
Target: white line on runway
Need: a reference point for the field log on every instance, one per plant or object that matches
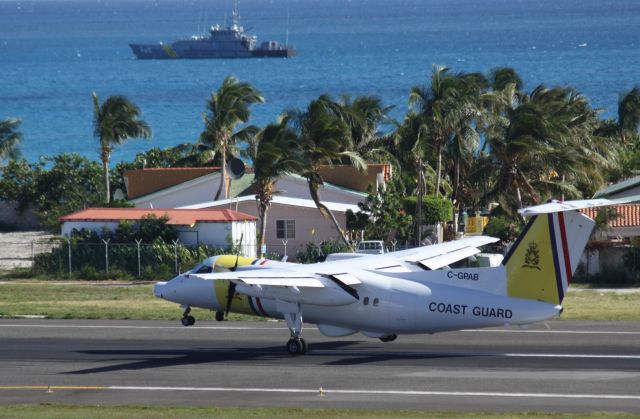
(80, 326)
(388, 392)
(568, 332)
(469, 354)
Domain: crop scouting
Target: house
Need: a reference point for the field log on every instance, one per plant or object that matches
(213, 227)
(204, 187)
(293, 219)
(626, 188)
(291, 222)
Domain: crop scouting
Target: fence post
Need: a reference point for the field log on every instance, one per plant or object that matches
(69, 246)
(285, 249)
(106, 254)
(393, 244)
(138, 243)
(175, 252)
(33, 257)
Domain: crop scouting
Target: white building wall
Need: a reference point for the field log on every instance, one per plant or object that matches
(220, 234)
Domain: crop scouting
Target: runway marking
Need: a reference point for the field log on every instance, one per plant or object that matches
(470, 354)
(568, 332)
(79, 326)
(336, 391)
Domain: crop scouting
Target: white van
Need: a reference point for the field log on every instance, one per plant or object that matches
(372, 247)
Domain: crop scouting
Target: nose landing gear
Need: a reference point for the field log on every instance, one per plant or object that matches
(187, 320)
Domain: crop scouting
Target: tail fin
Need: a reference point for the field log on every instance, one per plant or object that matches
(541, 263)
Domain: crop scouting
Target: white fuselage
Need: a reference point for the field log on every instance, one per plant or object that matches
(413, 302)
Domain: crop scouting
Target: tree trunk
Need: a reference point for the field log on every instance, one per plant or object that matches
(315, 195)
(262, 210)
(438, 170)
(223, 179)
(105, 166)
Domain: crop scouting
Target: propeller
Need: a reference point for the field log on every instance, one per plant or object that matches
(232, 285)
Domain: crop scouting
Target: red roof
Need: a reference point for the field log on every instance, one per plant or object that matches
(628, 215)
(176, 216)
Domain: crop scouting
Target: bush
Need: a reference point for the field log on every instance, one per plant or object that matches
(434, 209)
(311, 253)
(505, 228)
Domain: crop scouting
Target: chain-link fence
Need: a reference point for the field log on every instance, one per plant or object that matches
(66, 258)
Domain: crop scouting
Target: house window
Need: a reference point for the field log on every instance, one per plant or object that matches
(286, 229)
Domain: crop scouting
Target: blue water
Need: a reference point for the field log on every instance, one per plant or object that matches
(54, 53)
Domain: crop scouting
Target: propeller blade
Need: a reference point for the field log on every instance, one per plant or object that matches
(232, 286)
(230, 293)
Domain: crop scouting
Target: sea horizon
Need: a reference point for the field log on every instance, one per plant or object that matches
(55, 53)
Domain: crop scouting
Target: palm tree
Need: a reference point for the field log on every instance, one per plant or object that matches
(114, 122)
(226, 109)
(541, 142)
(323, 139)
(629, 113)
(10, 137)
(274, 155)
(446, 107)
(364, 116)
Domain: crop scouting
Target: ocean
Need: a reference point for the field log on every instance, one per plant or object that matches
(54, 53)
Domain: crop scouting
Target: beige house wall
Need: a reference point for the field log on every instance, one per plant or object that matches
(306, 220)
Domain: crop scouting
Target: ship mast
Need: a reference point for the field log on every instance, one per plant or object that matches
(235, 16)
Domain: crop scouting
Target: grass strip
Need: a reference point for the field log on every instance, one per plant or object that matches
(52, 411)
(113, 300)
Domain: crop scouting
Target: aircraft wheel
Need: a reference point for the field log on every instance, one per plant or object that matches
(188, 321)
(305, 347)
(389, 338)
(295, 346)
(219, 316)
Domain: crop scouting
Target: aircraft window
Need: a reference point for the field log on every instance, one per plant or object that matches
(204, 269)
(375, 302)
(365, 301)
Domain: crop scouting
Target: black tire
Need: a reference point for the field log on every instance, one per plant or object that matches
(389, 338)
(305, 347)
(219, 316)
(294, 346)
(185, 321)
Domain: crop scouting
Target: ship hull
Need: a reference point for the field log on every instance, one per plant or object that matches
(163, 52)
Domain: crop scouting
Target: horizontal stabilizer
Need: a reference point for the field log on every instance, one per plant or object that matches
(562, 206)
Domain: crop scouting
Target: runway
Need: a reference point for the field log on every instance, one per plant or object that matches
(567, 367)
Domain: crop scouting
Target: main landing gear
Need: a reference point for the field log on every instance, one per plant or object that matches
(188, 320)
(296, 345)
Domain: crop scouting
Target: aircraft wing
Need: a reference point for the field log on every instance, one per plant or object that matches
(291, 285)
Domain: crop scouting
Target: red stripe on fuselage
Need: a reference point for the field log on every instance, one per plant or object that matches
(565, 247)
(259, 303)
(263, 262)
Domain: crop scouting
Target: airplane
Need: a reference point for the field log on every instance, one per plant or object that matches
(404, 292)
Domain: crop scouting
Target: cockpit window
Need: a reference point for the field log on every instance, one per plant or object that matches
(204, 269)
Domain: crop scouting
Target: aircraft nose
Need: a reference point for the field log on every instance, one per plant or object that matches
(158, 289)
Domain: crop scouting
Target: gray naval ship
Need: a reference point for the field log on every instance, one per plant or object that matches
(229, 42)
